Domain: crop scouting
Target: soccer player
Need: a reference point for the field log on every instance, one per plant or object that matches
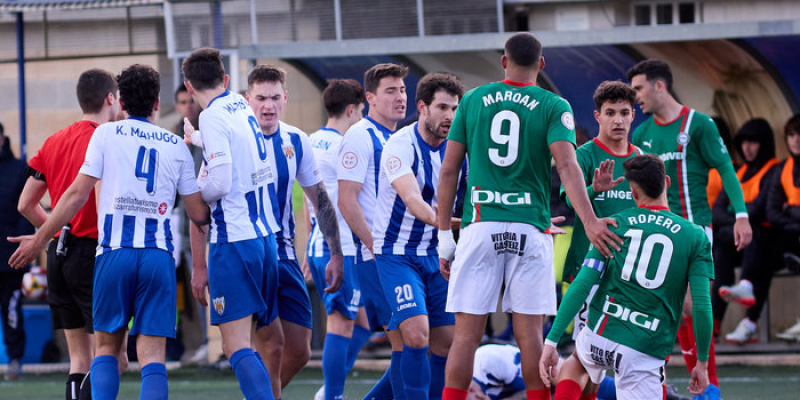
(242, 271)
(405, 236)
(633, 316)
(287, 341)
(509, 130)
(689, 144)
(347, 327)
(357, 172)
(142, 168)
(71, 255)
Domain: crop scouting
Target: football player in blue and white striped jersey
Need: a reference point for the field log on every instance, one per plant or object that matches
(406, 236)
(142, 167)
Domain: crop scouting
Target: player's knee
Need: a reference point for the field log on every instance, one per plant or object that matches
(416, 339)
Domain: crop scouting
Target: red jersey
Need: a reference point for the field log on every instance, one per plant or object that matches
(59, 160)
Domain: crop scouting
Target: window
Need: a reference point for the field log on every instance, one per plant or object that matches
(655, 12)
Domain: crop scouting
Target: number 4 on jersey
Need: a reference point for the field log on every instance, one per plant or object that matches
(147, 167)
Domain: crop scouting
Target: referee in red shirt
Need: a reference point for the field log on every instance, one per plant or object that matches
(70, 255)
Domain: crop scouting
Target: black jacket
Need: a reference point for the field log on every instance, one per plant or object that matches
(12, 223)
(787, 219)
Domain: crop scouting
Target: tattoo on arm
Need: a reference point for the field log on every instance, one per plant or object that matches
(326, 216)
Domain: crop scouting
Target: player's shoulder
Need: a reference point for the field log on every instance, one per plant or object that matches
(587, 148)
(703, 123)
(291, 130)
(358, 134)
(406, 134)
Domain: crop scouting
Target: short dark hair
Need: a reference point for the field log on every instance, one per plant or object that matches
(523, 49)
(339, 94)
(653, 70)
(648, 172)
(266, 73)
(204, 68)
(93, 87)
(434, 82)
(613, 91)
(373, 76)
(792, 126)
(181, 89)
(139, 86)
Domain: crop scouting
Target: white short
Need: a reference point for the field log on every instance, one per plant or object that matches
(636, 375)
(583, 314)
(490, 254)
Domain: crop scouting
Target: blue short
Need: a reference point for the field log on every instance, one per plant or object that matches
(243, 280)
(413, 286)
(378, 311)
(139, 283)
(347, 299)
(294, 305)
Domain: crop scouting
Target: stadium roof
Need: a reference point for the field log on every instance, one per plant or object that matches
(41, 5)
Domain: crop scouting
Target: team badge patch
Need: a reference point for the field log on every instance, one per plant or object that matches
(349, 160)
(683, 139)
(568, 120)
(393, 164)
(288, 150)
(219, 304)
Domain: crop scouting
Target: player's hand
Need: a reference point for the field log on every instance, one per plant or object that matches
(447, 245)
(306, 270)
(547, 364)
(604, 177)
(444, 268)
(556, 230)
(699, 380)
(200, 283)
(742, 233)
(26, 252)
(455, 224)
(601, 237)
(189, 136)
(333, 273)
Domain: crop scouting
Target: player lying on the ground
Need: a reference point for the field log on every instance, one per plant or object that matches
(633, 316)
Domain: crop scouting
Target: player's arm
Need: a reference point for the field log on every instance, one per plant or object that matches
(578, 291)
(29, 199)
(408, 190)
(198, 238)
(572, 178)
(352, 212)
(446, 195)
(70, 203)
(196, 208)
(217, 152)
(355, 154)
(326, 218)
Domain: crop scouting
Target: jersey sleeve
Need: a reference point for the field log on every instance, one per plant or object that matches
(93, 162)
(397, 157)
(710, 144)
(354, 156)
(458, 129)
(216, 139)
(702, 264)
(37, 162)
(186, 181)
(307, 172)
(561, 126)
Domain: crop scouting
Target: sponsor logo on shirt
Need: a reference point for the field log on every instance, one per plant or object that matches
(508, 199)
(648, 143)
(162, 208)
(605, 358)
(349, 160)
(637, 318)
(614, 194)
(509, 243)
(219, 304)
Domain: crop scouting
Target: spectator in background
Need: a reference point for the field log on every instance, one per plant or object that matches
(755, 143)
(12, 223)
(192, 328)
(714, 180)
(783, 208)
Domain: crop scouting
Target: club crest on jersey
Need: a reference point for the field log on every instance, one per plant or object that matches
(219, 304)
(288, 151)
(162, 208)
(683, 139)
(393, 164)
(349, 160)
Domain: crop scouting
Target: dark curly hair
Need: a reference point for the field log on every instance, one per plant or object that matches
(204, 68)
(648, 172)
(436, 81)
(139, 86)
(613, 91)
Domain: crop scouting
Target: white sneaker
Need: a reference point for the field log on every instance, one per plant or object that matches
(320, 395)
(200, 356)
(745, 332)
(792, 334)
(741, 293)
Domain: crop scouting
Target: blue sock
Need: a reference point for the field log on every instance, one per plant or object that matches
(396, 375)
(437, 376)
(252, 376)
(334, 358)
(382, 389)
(607, 390)
(105, 378)
(154, 382)
(360, 336)
(416, 372)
